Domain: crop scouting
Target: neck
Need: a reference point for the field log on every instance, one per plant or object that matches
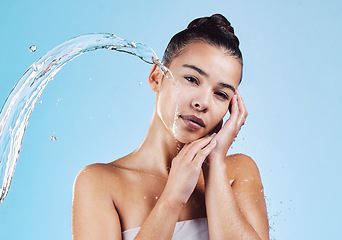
(157, 150)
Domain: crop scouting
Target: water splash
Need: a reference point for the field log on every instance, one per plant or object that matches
(175, 117)
(166, 71)
(53, 138)
(18, 107)
(33, 48)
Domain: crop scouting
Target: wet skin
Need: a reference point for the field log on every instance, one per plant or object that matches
(168, 166)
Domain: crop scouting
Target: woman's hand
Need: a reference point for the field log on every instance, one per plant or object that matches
(186, 168)
(226, 135)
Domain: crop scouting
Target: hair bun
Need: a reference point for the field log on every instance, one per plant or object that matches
(215, 21)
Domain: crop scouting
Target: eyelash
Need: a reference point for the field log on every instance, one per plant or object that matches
(194, 80)
(222, 95)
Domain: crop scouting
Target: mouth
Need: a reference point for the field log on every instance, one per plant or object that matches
(192, 121)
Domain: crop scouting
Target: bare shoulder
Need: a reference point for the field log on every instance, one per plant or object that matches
(244, 172)
(93, 173)
(93, 213)
(105, 178)
(243, 161)
(97, 178)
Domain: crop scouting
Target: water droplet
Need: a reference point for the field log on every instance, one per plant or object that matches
(132, 44)
(231, 181)
(40, 102)
(34, 67)
(108, 115)
(276, 214)
(112, 48)
(156, 197)
(53, 138)
(178, 148)
(91, 118)
(145, 197)
(33, 48)
(58, 100)
(140, 83)
(89, 79)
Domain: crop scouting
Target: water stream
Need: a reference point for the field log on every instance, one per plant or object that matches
(18, 107)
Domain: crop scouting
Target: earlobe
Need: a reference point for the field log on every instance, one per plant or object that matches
(155, 78)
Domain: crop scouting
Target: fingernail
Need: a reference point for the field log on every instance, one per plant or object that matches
(212, 135)
(213, 142)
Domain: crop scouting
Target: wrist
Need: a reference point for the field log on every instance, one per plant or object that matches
(170, 206)
(214, 166)
(217, 166)
(172, 201)
(216, 159)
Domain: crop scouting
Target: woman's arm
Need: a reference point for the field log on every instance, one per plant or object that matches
(94, 213)
(237, 211)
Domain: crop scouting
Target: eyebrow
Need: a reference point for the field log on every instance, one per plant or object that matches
(201, 72)
(225, 85)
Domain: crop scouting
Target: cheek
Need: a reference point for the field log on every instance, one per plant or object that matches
(168, 105)
(219, 113)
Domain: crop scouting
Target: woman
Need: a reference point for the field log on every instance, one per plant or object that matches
(179, 183)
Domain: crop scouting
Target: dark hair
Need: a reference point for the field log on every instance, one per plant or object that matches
(215, 30)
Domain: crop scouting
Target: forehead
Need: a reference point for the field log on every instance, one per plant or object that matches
(210, 59)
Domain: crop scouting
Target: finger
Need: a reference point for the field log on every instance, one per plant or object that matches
(230, 127)
(197, 146)
(203, 153)
(184, 152)
(243, 110)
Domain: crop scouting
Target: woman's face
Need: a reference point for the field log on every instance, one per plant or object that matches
(205, 79)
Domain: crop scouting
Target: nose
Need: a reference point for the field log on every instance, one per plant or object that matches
(201, 103)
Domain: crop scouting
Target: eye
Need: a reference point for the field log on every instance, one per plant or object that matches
(192, 80)
(222, 95)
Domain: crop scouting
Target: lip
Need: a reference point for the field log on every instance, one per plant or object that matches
(192, 121)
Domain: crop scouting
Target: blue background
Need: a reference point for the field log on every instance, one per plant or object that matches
(99, 112)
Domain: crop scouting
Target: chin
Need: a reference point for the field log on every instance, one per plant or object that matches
(187, 137)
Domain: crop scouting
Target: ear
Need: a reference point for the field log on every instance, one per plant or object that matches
(155, 78)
